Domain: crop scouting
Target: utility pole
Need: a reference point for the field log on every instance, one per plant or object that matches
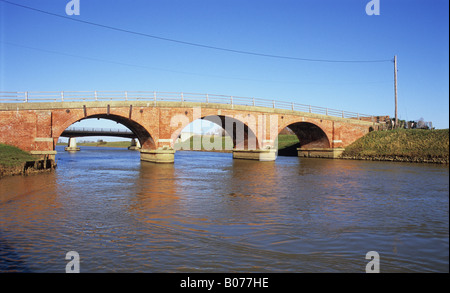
(395, 88)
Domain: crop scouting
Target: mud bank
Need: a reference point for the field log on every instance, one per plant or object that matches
(398, 159)
(28, 168)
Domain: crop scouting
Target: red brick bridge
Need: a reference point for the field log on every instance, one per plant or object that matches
(34, 121)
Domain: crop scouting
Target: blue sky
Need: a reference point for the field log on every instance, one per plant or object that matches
(40, 52)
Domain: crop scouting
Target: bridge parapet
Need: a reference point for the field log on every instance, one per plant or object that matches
(154, 96)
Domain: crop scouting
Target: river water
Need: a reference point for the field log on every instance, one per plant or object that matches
(210, 213)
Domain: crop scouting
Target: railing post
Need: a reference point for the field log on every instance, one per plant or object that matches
(126, 96)
(62, 96)
(26, 97)
(292, 106)
(231, 100)
(253, 102)
(326, 111)
(95, 95)
(154, 98)
(342, 113)
(207, 98)
(182, 97)
(357, 116)
(273, 104)
(310, 109)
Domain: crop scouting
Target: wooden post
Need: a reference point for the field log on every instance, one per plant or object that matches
(395, 89)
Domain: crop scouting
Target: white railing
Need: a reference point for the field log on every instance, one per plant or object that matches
(88, 96)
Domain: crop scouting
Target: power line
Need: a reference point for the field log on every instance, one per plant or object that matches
(191, 43)
(171, 70)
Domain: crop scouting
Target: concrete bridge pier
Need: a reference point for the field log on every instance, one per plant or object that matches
(72, 147)
(331, 153)
(46, 158)
(161, 155)
(264, 155)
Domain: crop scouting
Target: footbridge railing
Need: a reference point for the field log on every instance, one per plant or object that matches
(77, 132)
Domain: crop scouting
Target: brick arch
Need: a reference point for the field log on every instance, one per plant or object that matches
(243, 135)
(309, 134)
(145, 138)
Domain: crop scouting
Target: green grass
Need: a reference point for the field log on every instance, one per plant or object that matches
(410, 143)
(113, 144)
(414, 144)
(11, 156)
(284, 141)
(287, 140)
(225, 143)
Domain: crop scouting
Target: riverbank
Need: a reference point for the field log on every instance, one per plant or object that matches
(111, 144)
(14, 161)
(401, 145)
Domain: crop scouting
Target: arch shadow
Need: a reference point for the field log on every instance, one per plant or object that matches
(242, 136)
(144, 137)
(310, 135)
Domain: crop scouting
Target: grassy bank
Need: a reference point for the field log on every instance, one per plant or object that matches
(112, 144)
(11, 156)
(13, 160)
(285, 142)
(411, 145)
(225, 143)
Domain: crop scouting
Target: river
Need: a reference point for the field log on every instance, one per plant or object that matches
(210, 213)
